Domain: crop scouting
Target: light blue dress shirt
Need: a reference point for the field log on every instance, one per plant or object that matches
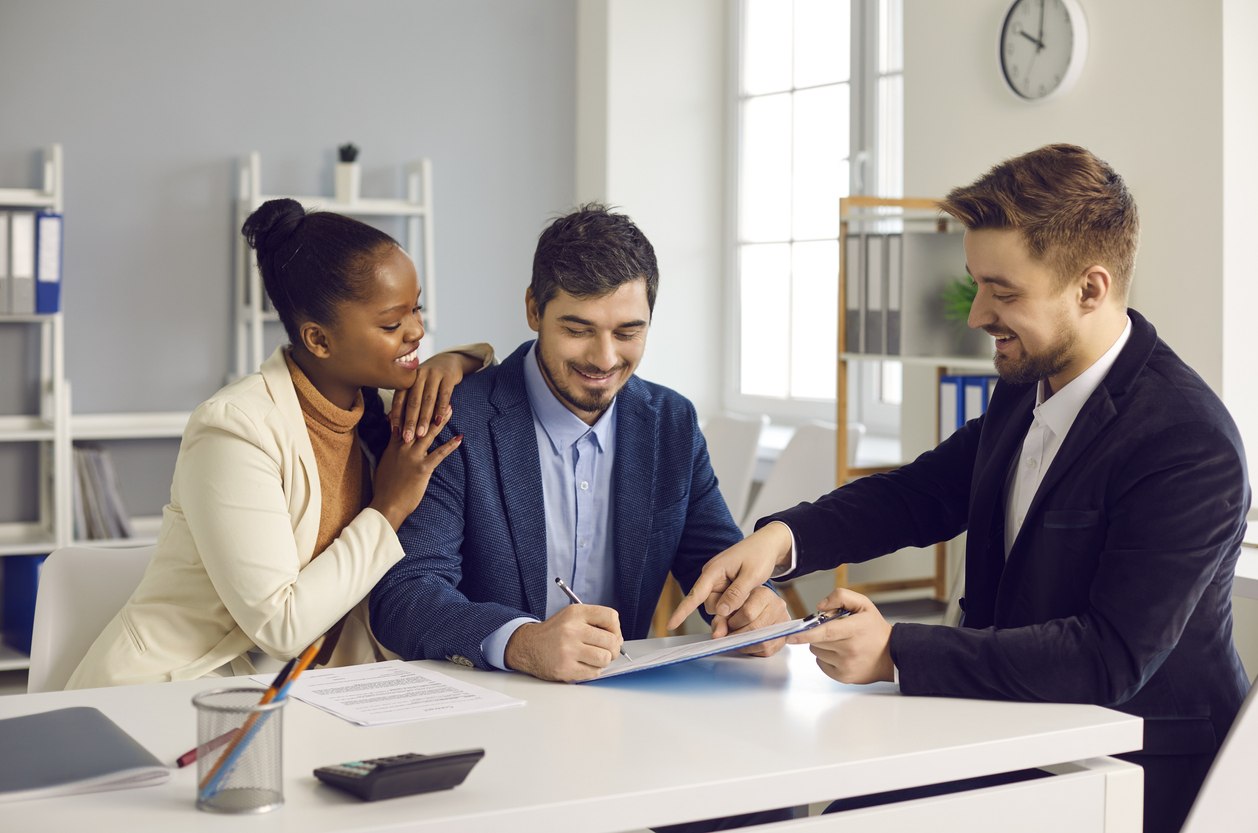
(576, 462)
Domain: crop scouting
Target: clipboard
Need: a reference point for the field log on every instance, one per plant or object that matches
(674, 654)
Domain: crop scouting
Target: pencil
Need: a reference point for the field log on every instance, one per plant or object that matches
(192, 754)
(249, 728)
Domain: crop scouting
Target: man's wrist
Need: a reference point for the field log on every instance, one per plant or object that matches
(784, 543)
(518, 654)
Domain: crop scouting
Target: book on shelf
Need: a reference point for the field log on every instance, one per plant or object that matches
(69, 751)
(98, 502)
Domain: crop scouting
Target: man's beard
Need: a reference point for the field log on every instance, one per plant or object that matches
(596, 404)
(1033, 367)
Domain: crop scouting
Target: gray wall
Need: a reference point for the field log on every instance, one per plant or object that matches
(154, 102)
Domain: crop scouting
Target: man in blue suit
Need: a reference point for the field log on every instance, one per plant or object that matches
(571, 467)
(1104, 494)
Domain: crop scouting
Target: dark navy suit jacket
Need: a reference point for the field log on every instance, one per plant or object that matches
(1117, 590)
(476, 546)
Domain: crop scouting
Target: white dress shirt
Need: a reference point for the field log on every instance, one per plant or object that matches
(577, 461)
(1050, 423)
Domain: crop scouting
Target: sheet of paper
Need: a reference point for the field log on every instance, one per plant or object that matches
(380, 693)
(703, 648)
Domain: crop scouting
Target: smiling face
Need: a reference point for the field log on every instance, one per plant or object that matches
(1033, 315)
(374, 341)
(588, 348)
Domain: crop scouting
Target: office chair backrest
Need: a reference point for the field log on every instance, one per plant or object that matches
(732, 444)
(1227, 803)
(80, 590)
(805, 470)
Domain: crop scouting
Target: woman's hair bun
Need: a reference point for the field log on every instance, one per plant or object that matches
(272, 223)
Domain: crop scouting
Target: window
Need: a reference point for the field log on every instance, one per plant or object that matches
(819, 117)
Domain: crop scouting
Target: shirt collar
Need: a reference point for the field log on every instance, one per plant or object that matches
(563, 428)
(1058, 412)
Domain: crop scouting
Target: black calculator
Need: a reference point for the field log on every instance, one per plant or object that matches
(398, 775)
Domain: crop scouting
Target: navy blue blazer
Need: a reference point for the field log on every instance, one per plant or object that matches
(1118, 588)
(476, 546)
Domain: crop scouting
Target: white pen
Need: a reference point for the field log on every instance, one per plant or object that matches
(567, 591)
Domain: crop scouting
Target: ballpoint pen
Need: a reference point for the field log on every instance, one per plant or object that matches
(192, 754)
(226, 762)
(567, 591)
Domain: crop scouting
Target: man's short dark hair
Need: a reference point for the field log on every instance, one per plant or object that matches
(591, 253)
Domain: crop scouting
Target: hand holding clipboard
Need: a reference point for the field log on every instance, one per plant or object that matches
(854, 648)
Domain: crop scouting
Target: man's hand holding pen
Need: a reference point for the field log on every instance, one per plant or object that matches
(574, 644)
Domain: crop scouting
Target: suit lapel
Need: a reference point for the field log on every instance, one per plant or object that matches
(520, 478)
(633, 482)
(1097, 412)
(279, 383)
(1004, 426)
(1100, 409)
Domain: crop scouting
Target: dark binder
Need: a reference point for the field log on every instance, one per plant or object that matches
(68, 751)
(854, 302)
(875, 294)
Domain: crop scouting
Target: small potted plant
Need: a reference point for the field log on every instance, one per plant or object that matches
(957, 298)
(347, 173)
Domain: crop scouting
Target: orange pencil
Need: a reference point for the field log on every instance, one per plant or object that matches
(298, 666)
(192, 754)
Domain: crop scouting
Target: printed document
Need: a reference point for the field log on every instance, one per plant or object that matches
(380, 693)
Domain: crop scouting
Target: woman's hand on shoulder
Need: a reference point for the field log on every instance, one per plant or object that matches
(405, 468)
(418, 409)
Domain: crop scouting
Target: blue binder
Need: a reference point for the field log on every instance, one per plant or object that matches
(48, 249)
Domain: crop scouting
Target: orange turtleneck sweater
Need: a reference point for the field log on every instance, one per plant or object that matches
(344, 484)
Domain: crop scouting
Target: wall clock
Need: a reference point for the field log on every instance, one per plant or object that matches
(1043, 44)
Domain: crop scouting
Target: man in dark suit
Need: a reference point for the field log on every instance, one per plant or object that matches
(570, 467)
(1104, 493)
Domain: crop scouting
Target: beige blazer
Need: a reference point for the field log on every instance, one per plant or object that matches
(233, 569)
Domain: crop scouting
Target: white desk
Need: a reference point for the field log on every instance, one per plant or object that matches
(712, 737)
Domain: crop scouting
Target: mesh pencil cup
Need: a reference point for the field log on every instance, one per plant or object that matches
(240, 744)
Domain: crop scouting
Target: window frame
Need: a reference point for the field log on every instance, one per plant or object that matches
(864, 386)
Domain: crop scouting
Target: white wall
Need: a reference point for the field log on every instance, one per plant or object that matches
(651, 100)
(154, 102)
(1170, 103)
(1240, 284)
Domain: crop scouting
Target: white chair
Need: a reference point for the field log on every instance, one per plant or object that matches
(1226, 803)
(80, 590)
(732, 444)
(805, 470)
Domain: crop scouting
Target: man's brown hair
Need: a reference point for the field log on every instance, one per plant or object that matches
(1072, 209)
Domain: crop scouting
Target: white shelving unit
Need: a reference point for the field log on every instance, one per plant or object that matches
(53, 427)
(48, 428)
(252, 313)
(128, 426)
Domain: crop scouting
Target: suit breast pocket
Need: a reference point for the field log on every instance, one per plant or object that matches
(668, 520)
(1069, 548)
(1072, 518)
